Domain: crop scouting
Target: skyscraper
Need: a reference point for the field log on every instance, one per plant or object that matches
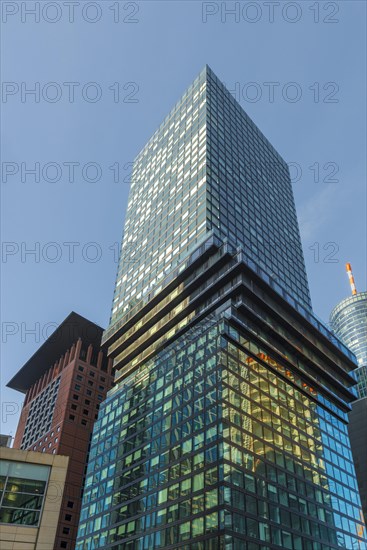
(208, 168)
(227, 426)
(64, 383)
(349, 322)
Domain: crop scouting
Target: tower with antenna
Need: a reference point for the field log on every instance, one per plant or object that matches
(348, 320)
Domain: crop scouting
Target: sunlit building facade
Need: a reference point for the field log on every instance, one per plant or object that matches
(227, 426)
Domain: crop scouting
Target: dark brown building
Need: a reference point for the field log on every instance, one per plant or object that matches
(64, 383)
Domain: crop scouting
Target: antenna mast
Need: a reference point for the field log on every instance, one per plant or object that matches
(351, 279)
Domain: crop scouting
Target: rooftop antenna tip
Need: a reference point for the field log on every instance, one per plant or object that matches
(348, 268)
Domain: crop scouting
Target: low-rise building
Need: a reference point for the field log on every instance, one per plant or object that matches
(31, 491)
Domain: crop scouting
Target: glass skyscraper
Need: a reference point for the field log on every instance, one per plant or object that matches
(227, 426)
(208, 168)
(349, 322)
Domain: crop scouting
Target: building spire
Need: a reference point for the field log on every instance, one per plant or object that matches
(351, 278)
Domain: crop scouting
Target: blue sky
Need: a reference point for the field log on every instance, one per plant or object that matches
(149, 56)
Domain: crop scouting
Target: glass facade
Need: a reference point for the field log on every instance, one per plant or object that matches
(166, 213)
(205, 438)
(349, 322)
(207, 168)
(22, 492)
(249, 193)
(227, 427)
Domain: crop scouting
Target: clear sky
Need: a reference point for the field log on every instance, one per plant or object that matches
(101, 90)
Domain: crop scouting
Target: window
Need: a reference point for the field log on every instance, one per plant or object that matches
(66, 530)
(63, 544)
(89, 392)
(87, 401)
(83, 422)
(77, 387)
(79, 377)
(91, 373)
(80, 368)
(70, 504)
(22, 493)
(67, 517)
(86, 412)
(74, 407)
(90, 383)
(71, 417)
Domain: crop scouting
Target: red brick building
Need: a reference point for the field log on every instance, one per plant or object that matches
(64, 382)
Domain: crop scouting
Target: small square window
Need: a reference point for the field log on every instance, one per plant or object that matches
(70, 504)
(77, 387)
(87, 402)
(90, 382)
(89, 392)
(65, 530)
(63, 544)
(76, 397)
(81, 368)
(102, 379)
(79, 377)
(67, 517)
(74, 407)
(101, 388)
(71, 417)
(91, 373)
(86, 412)
(83, 422)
